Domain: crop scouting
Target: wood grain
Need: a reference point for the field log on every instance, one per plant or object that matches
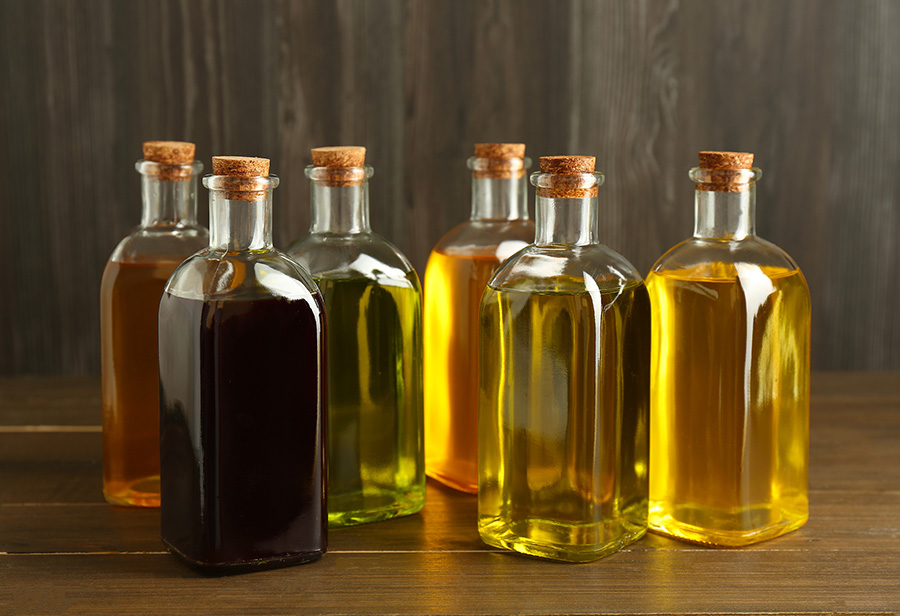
(62, 550)
(454, 583)
(809, 86)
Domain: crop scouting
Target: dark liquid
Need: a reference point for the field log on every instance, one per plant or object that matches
(242, 404)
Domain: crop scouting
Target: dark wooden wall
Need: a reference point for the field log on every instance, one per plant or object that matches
(811, 86)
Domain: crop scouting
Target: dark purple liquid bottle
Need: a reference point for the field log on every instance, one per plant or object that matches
(242, 403)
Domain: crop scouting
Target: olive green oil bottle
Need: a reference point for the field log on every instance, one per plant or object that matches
(373, 305)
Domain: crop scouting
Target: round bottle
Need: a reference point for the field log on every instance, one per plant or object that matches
(564, 384)
(373, 304)
(730, 372)
(242, 390)
(132, 285)
(458, 270)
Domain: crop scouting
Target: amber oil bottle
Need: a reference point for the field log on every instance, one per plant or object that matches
(132, 285)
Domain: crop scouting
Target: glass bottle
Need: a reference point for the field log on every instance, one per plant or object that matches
(242, 390)
(132, 285)
(730, 372)
(373, 304)
(564, 384)
(458, 270)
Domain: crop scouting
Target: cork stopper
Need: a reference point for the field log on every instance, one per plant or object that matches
(726, 160)
(172, 158)
(339, 156)
(339, 165)
(567, 165)
(499, 160)
(240, 166)
(246, 176)
(567, 177)
(169, 152)
(725, 171)
(500, 150)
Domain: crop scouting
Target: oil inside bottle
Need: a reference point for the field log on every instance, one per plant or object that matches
(131, 294)
(374, 398)
(454, 284)
(240, 433)
(563, 451)
(730, 387)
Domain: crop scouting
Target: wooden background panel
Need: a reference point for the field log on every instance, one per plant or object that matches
(809, 86)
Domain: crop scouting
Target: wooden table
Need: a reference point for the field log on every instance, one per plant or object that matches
(63, 550)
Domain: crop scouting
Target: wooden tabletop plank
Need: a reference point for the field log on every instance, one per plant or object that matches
(62, 549)
(631, 582)
(839, 521)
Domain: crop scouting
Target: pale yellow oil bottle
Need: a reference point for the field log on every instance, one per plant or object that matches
(564, 355)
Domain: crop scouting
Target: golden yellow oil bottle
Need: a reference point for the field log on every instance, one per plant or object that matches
(458, 270)
(729, 372)
(373, 308)
(564, 384)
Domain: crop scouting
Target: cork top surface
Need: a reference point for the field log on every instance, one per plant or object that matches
(500, 150)
(567, 165)
(726, 160)
(339, 157)
(169, 152)
(240, 166)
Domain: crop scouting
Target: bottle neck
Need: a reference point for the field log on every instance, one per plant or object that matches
(238, 225)
(339, 209)
(725, 215)
(499, 199)
(169, 202)
(566, 222)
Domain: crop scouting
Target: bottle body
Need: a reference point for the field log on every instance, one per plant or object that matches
(132, 285)
(242, 399)
(373, 304)
(729, 372)
(730, 395)
(458, 271)
(563, 415)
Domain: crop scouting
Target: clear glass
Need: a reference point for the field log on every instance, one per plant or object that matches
(133, 282)
(242, 395)
(564, 392)
(729, 378)
(458, 270)
(373, 303)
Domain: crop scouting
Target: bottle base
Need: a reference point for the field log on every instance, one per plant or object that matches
(452, 482)
(218, 569)
(394, 506)
(724, 530)
(134, 493)
(561, 542)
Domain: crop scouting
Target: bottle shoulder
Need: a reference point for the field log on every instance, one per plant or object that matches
(160, 243)
(550, 269)
(487, 238)
(706, 258)
(213, 275)
(355, 255)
